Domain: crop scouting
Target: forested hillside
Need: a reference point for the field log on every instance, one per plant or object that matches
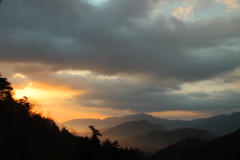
(226, 147)
(27, 135)
(156, 139)
(133, 128)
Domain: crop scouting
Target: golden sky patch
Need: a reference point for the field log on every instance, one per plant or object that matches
(183, 12)
(19, 75)
(231, 5)
(50, 99)
(178, 114)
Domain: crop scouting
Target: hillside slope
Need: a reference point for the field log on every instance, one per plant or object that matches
(132, 128)
(220, 125)
(222, 148)
(155, 140)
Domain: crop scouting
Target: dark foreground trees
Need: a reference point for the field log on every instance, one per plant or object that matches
(27, 135)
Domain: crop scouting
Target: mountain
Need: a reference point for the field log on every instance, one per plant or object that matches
(220, 125)
(156, 139)
(132, 128)
(82, 124)
(173, 151)
(225, 147)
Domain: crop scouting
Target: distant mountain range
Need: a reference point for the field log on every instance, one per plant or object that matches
(82, 124)
(219, 125)
(156, 139)
(131, 128)
(152, 134)
(222, 148)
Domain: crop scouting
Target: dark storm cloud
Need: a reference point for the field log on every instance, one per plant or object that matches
(117, 37)
(151, 57)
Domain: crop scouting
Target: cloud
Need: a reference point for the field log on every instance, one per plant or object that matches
(231, 5)
(183, 12)
(199, 94)
(83, 39)
(131, 60)
(157, 101)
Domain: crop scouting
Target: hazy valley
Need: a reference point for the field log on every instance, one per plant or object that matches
(151, 134)
(27, 134)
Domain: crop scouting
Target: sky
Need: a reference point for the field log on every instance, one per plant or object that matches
(175, 59)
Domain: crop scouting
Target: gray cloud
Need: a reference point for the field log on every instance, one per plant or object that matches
(116, 38)
(154, 100)
(119, 38)
(199, 94)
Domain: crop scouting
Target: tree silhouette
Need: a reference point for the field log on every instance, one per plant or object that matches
(95, 134)
(25, 134)
(108, 144)
(5, 89)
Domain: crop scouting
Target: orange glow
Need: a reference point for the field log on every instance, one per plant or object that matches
(178, 114)
(63, 115)
(53, 102)
(42, 91)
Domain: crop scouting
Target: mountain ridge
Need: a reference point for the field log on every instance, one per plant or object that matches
(156, 139)
(224, 147)
(131, 128)
(220, 124)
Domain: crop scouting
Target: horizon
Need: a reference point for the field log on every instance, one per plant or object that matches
(146, 114)
(74, 59)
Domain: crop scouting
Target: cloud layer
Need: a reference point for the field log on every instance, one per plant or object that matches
(136, 54)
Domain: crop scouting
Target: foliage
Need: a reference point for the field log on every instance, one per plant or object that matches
(5, 89)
